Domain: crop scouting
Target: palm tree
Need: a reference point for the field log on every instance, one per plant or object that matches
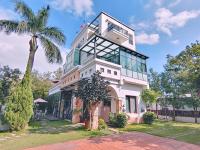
(35, 25)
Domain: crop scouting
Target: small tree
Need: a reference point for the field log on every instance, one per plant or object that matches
(19, 107)
(150, 96)
(92, 91)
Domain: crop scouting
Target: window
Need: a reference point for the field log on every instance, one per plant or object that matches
(130, 38)
(101, 69)
(82, 75)
(74, 76)
(90, 71)
(131, 106)
(128, 104)
(109, 71)
(115, 72)
(86, 73)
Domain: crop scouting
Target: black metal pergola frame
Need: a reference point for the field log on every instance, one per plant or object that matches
(100, 47)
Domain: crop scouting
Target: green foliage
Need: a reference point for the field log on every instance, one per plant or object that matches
(8, 77)
(112, 119)
(92, 91)
(149, 96)
(102, 125)
(149, 117)
(19, 107)
(40, 85)
(154, 79)
(121, 120)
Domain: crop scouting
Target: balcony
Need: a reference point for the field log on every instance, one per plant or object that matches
(116, 33)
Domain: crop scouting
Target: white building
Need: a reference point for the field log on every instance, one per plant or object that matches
(106, 45)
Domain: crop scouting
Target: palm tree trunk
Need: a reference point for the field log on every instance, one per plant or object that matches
(33, 48)
(174, 114)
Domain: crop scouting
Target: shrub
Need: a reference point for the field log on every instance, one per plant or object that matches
(19, 106)
(102, 124)
(121, 120)
(149, 117)
(112, 119)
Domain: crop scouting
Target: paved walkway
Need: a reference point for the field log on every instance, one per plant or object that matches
(126, 141)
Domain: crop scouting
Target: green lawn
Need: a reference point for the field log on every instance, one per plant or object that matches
(45, 132)
(187, 132)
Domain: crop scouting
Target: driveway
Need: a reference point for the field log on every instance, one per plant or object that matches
(126, 141)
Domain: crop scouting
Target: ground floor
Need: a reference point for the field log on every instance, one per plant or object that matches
(126, 141)
(123, 98)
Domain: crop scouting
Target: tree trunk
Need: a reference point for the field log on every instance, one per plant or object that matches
(157, 110)
(32, 49)
(174, 115)
(195, 115)
(93, 119)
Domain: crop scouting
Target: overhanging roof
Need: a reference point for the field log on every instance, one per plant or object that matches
(105, 46)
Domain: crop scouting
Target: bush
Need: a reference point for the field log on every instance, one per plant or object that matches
(121, 120)
(19, 106)
(102, 124)
(112, 119)
(149, 117)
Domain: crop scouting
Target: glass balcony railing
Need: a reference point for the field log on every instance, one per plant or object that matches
(112, 26)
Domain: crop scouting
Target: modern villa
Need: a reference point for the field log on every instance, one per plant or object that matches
(106, 45)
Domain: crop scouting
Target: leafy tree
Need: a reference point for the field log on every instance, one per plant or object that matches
(189, 62)
(8, 77)
(19, 107)
(35, 25)
(150, 96)
(172, 84)
(40, 85)
(154, 79)
(92, 91)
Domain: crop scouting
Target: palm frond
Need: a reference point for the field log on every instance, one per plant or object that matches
(54, 34)
(52, 52)
(42, 17)
(9, 26)
(24, 11)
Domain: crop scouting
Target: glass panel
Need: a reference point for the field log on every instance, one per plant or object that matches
(124, 72)
(128, 106)
(133, 104)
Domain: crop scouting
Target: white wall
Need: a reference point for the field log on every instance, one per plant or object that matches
(104, 26)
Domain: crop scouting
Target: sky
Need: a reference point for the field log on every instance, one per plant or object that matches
(161, 27)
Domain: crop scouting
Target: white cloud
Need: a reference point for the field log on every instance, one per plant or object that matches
(174, 3)
(144, 38)
(14, 52)
(166, 20)
(175, 42)
(78, 7)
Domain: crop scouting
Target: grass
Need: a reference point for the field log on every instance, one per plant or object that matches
(46, 132)
(186, 132)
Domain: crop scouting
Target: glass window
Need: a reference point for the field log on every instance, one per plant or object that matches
(131, 105)
(101, 69)
(130, 38)
(115, 72)
(128, 104)
(109, 71)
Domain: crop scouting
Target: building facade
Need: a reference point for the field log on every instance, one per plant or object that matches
(108, 46)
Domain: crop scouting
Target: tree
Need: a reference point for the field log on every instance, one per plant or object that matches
(35, 25)
(8, 77)
(92, 91)
(154, 79)
(172, 84)
(40, 85)
(19, 107)
(150, 96)
(189, 62)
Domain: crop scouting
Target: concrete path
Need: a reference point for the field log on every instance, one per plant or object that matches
(126, 141)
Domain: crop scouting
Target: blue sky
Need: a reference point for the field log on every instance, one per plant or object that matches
(161, 26)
